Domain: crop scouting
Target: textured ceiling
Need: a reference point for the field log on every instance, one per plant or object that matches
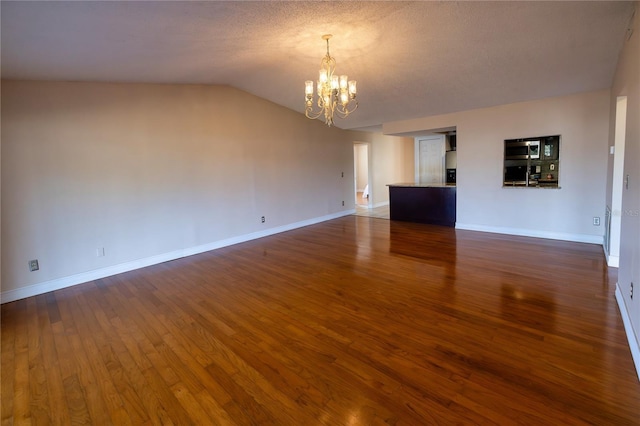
(411, 59)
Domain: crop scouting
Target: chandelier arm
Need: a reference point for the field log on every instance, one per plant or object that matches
(312, 115)
(344, 111)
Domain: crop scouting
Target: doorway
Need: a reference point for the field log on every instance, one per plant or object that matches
(361, 174)
(612, 234)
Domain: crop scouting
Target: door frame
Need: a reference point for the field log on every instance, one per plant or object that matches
(369, 173)
(612, 247)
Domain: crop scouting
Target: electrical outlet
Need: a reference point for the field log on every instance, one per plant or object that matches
(262, 219)
(343, 203)
(33, 265)
(596, 221)
(341, 174)
(632, 291)
(100, 252)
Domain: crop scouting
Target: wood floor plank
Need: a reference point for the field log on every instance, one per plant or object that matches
(88, 382)
(21, 413)
(176, 363)
(215, 412)
(76, 403)
(242, 407)
(74, 396)
(261, 374)
(88, 329)
(115, 358)
(133, 369)
(39, 401)
(355, 320)
(9, 372)
(15, 364)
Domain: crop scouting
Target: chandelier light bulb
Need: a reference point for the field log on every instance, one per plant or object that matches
(322, 76)
(334, 82)
(343, 82)
(352, 88)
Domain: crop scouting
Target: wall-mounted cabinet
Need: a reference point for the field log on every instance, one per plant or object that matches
(532, 162)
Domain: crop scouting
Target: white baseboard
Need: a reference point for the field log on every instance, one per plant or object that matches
(59, 283)
(634, 345)
(613, 261)
(384, 203)
(579, 238)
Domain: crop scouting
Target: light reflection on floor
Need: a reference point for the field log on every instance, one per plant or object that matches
(381, 212)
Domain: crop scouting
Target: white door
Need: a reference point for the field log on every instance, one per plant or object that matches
(431, 155)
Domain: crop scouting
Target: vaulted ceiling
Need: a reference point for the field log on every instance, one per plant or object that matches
(411, 59)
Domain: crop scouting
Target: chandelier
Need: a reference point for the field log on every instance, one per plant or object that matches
(336, 95)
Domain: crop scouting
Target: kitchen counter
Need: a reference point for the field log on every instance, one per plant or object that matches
(423, 203)
(423, 185)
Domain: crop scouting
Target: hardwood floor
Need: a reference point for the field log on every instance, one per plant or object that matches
(355, 321)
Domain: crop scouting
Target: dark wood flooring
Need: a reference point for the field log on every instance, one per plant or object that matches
(355, 321)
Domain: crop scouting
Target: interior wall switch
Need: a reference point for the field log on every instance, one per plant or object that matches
(596, 221)
(612, 150)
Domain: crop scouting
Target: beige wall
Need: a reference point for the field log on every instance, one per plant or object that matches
(627, 83)
(482, 202)
(153, 172)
